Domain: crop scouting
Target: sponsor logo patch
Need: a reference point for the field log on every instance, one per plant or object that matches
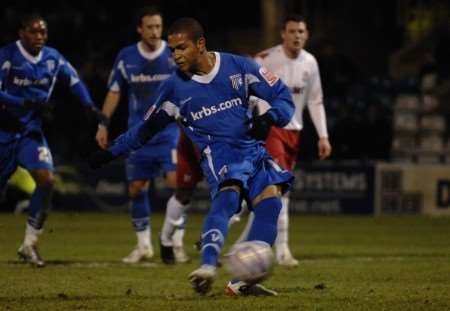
(270, 77)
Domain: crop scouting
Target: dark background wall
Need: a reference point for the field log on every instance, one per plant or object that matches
(354, 42)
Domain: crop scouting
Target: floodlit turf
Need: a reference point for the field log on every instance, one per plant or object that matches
(346, 263)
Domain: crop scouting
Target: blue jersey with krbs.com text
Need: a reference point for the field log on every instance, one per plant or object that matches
(215, 112)
(141, 73)
(27, 77)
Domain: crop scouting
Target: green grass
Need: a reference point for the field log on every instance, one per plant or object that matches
(346, 263)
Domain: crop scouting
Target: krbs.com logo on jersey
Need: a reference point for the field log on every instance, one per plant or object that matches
(208, 111)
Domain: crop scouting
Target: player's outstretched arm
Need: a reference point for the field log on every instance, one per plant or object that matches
(68, 74)
(80, 90)
(9, 99)
(36, 106)
(133, 139)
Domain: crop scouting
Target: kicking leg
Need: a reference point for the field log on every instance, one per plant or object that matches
(267, 207)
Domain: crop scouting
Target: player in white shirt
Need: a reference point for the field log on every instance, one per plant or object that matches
(299, 70)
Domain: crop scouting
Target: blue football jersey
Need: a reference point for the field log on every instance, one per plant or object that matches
(214, 108)
(27, 77)
(141, 73)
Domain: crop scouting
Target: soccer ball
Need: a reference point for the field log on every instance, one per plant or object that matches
(250, 261)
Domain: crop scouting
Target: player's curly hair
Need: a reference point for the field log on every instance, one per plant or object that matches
(189, 26)
(27, 19)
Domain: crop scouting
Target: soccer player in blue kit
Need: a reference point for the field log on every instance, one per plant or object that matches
(28, 73)
(140, 68)
(209, 95)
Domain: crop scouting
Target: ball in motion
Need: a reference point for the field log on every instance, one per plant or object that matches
(250, 261)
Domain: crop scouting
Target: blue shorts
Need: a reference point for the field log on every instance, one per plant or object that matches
(154, 159)
(253, 166)
(30, 151)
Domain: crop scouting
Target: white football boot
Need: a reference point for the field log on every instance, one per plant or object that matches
(139, 254)
(285, 258)
(29, 253)
(180, 254)
(203, 278)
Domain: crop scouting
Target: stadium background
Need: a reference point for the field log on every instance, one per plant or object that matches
(384, 68)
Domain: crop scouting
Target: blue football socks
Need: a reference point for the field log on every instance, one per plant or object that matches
(215, 227)
(264, 227)
(140, 211)
(40, 204)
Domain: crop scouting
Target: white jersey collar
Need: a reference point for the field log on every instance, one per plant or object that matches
(150, 55)
(300, 55)
(28, 56)
(207, 78)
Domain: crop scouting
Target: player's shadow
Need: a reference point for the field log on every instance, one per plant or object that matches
(66, 297)
(84, 263)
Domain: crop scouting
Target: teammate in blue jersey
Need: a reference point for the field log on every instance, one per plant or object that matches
(140, 68)
(209, 95)
(28, 73)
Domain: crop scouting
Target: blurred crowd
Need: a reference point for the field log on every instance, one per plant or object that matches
(359, 104)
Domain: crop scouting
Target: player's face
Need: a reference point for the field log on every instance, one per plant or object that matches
(34, 36)
(294, 35)
(150, 30)
(185, 52)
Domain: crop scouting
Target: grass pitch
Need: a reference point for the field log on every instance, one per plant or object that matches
(346, 263)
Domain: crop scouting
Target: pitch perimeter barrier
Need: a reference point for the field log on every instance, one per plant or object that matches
(353, 187)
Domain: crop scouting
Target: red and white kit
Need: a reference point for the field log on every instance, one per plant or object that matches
(302, 77)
